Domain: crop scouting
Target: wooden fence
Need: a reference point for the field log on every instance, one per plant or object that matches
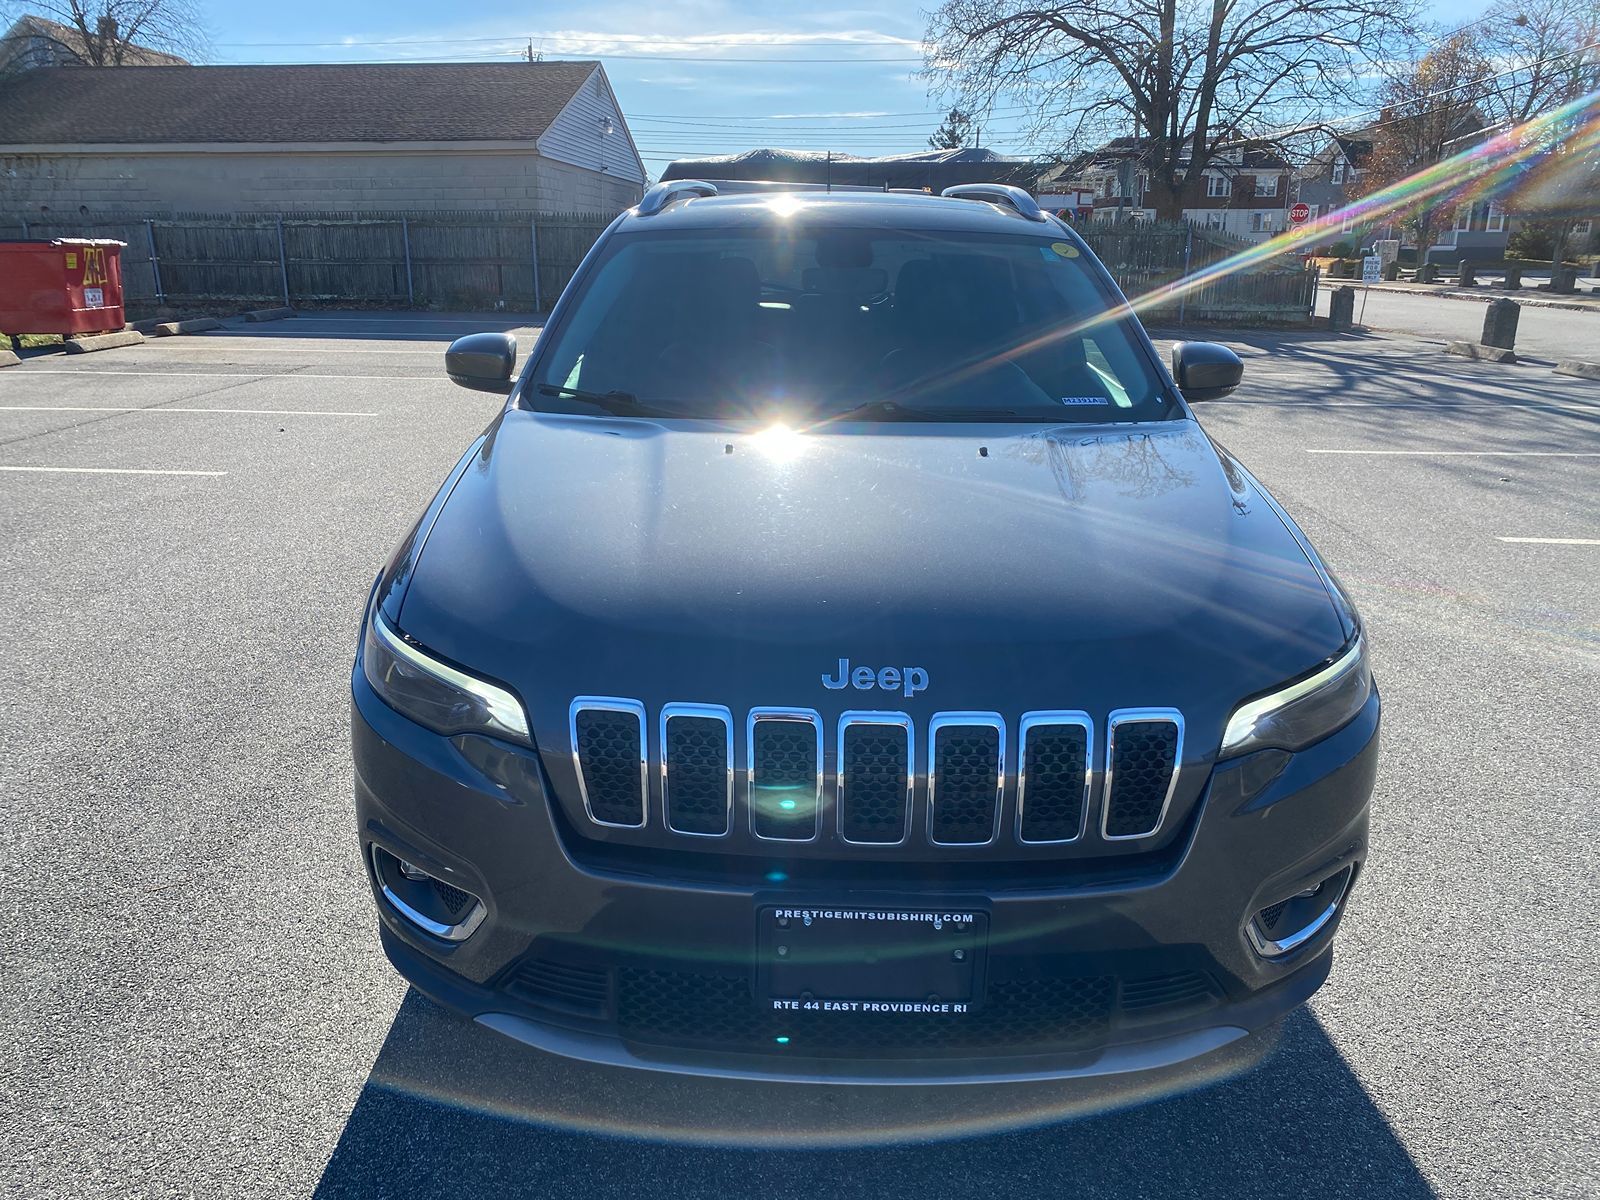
(522, 261)
(467, 260)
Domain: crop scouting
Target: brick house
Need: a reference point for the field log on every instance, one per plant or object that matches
(546, 136)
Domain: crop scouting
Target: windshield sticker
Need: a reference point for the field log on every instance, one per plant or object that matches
(1064, 249)
(1084, 400)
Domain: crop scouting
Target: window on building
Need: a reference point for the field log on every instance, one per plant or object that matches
(1495, 222)
(1266, 185)
(1315, 209)
(1583, 228)
(1347, 225)
(1338, 170)
(1464, 217)
(1219, 185)
(1214, 219)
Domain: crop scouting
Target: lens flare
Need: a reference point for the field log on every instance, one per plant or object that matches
(779, 443)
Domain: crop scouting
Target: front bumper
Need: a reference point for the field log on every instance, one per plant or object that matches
(645, 970)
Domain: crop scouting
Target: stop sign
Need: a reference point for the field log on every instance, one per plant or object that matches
(1300, 214)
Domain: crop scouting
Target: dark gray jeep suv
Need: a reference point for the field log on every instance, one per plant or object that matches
(845, 657)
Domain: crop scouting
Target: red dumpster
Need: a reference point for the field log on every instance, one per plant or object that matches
(67, 286)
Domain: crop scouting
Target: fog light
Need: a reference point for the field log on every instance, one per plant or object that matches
(1284, 927)
(426, 901)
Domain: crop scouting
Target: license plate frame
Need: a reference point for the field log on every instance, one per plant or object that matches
(855, 959)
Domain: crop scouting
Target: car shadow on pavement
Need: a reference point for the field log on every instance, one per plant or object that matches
(453, 1109)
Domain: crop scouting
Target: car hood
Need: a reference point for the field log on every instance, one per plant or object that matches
(1074, 567)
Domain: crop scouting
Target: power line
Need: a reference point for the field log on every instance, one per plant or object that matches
(624, 38)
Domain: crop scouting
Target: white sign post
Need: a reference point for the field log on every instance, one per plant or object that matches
(1371, 273)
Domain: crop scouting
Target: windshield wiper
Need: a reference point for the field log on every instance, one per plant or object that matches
(619, 403)
(889, 410)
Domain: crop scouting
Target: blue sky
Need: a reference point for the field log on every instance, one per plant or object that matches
(681, 71)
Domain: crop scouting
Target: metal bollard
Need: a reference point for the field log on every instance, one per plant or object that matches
(1500, 324)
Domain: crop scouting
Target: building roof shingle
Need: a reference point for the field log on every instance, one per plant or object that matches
(409, 102)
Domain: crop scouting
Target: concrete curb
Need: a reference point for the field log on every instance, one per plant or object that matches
(269, 314)
(1574, 366)
(8, 359)
(1480, 352)
(1488, 293)
(170, 328)
(103, 341)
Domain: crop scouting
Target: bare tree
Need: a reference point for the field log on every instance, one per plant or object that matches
(1187, 78)
(1546, 55)
(111, 33)
(1425, 113)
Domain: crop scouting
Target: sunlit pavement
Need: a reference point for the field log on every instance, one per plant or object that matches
(195, 999)
(1544, 334)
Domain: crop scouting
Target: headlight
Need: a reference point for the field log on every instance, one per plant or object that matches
(1307, 711)
(435, 694)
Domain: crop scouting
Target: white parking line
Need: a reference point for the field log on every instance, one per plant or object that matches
(1554, 541)
(355, 320)
(314, 352)
(1471, 453)
(110, 471)
(241, 412)
(26, 371)
(1435, 405)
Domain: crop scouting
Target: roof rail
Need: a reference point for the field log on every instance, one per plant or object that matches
(663, 194)
(998, 193)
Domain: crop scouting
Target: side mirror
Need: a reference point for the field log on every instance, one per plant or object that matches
(482, 361)
(1205, 370)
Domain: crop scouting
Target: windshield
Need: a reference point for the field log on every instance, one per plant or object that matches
(812, 324)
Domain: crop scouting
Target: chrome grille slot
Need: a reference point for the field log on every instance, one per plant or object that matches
(785, 783)
(1054, 776)
(875, 777)
(608, 752)
(1146, 746)
(697, 769)
(966, 777)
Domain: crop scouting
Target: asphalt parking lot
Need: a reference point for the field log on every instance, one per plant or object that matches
(196, 1001)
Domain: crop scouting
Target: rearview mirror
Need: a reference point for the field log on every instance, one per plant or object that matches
(1205, 370)
(482, 361)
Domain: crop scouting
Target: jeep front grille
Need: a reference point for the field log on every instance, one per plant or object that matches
(609, 752)
(771, 784)
(1144, 746)
(875, 777)
(697, 769)
(785, 763)
(966, 778)
(1054, 772)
